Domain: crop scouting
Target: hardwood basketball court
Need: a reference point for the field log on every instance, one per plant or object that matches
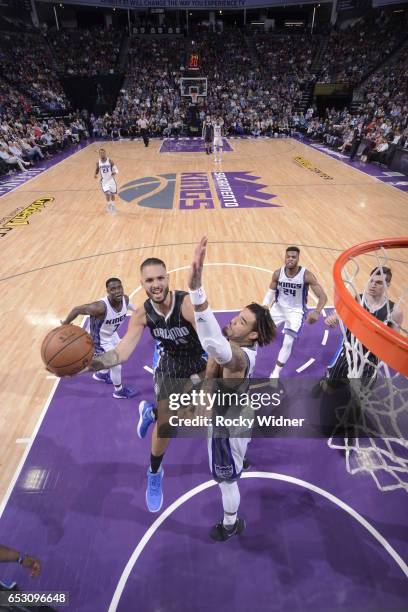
(71, 245)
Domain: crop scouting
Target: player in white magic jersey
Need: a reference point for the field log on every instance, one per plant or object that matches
(217, 143)
(288, 294)
(106, 170)
(106, 316)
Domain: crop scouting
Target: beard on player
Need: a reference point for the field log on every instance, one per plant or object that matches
(158, 296)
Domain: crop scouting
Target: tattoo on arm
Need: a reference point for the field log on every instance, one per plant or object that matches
(105, 361)
(201, 307)
(238, 363)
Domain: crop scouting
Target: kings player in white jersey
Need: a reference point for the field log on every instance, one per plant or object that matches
(106, 316)
(231, 356)
(106, 170)
(288, 295)
(217, 143)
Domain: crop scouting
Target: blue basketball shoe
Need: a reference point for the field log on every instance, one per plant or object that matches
(102, 377)
(124, 393)
(146, 418)
(154, 491)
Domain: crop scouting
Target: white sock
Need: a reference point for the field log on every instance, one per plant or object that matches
(276, 371)
(116, 376)
(286, 349)
(229, 519)
(230, 502)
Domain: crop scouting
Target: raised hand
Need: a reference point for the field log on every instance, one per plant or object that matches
(194, 280)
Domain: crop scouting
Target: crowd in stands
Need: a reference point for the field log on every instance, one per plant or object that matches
(387, 89)
(255, 85)
(356, 51)
(86, 52)
(232, 95)
(13, 102)
(250, 97)
(362, 135)
(382, 122)
(25, 139)
(26, 63)
(152, 85)
(288, 56)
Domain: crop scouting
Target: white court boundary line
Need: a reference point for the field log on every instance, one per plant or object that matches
(12, 484)
(32, 438)
(306, 365)
(269, 475)
(342, 161)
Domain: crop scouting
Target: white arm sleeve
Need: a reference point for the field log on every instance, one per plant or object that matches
(269, 297)
(211, 338)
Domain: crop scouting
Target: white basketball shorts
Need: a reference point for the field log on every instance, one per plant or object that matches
(292, 319)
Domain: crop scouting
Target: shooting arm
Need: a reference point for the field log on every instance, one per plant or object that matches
(126, 346)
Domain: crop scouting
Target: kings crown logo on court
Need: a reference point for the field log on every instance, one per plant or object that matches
(198, 190)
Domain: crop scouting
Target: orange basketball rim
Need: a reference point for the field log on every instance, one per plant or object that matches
(384, 342)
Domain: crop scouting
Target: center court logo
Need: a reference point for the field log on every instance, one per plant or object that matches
(198, 190)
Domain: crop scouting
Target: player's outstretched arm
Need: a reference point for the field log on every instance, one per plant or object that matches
(209, 332)
(96, 171)
(317, 289)
(126, 346)
(9, 555)
(270, 295)
(95, 309)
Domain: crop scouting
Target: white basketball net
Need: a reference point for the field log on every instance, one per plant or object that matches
(376, 418)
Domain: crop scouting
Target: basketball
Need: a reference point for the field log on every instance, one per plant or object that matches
(66, 350)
